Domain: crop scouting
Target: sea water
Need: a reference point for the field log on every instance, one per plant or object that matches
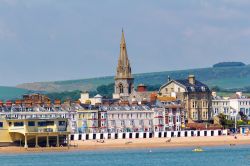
(212, 156)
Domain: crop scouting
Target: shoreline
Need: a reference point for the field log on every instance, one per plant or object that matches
(120, 144)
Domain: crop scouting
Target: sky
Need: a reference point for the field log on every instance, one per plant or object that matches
(49, 40)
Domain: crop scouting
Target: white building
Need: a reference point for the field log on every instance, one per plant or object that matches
(135, 118)
(231, 106)
(240, 103)
(85, 99)
(221, 105)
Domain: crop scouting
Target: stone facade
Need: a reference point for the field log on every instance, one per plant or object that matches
(195, 96)
(124, 82)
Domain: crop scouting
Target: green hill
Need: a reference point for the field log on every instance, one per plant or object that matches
(9, 93)
(224, 77)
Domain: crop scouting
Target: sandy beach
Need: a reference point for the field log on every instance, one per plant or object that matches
(136, 143)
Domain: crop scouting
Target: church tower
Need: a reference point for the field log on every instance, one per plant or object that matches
(124, 82)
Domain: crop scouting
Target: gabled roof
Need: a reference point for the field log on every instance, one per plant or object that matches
(98, 96)
(197, 87)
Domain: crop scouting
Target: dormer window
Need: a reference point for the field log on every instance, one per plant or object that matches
(203, 89)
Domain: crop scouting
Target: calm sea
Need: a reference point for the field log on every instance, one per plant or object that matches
(221, 156)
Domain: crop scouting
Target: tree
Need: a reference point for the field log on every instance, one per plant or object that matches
(228, 64)
(243, 117)
(224, 121)
(106, 90)
(216, 89)
(153, 87)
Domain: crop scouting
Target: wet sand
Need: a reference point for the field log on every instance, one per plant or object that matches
(136, 143)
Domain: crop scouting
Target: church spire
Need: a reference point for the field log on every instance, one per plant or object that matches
(123, 38)
(123, 68)
(124, 82)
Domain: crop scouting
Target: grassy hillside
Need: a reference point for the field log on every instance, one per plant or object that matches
(224, 77)
(8, 93)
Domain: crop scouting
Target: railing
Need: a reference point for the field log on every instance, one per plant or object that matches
(45, 130)
(16, 129)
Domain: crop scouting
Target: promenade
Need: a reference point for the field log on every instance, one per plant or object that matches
(111, 144)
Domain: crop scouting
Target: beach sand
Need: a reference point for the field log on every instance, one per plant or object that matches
(137, 143)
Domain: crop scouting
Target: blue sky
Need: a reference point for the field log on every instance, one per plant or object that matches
(46, 40)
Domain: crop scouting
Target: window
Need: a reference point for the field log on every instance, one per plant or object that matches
(179, 89)
(1, 124)
(121, 88)
(42, 123)
(225, 110)
(17, 124)
(31, 123)
(61, 123)
(50, 123)
(130, 88)
(203, 89)
(242, 110)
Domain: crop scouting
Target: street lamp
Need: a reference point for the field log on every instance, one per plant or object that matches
(234, 113)
(235, 123)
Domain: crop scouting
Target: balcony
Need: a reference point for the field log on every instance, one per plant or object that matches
(46, 129)
(20, 129)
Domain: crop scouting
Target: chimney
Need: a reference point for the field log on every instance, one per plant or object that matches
(214, 94)
(191, 79)
(169, 79)
(141, 88)
(239, 94)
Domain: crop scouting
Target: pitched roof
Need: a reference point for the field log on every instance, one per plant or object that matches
(197, 87)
